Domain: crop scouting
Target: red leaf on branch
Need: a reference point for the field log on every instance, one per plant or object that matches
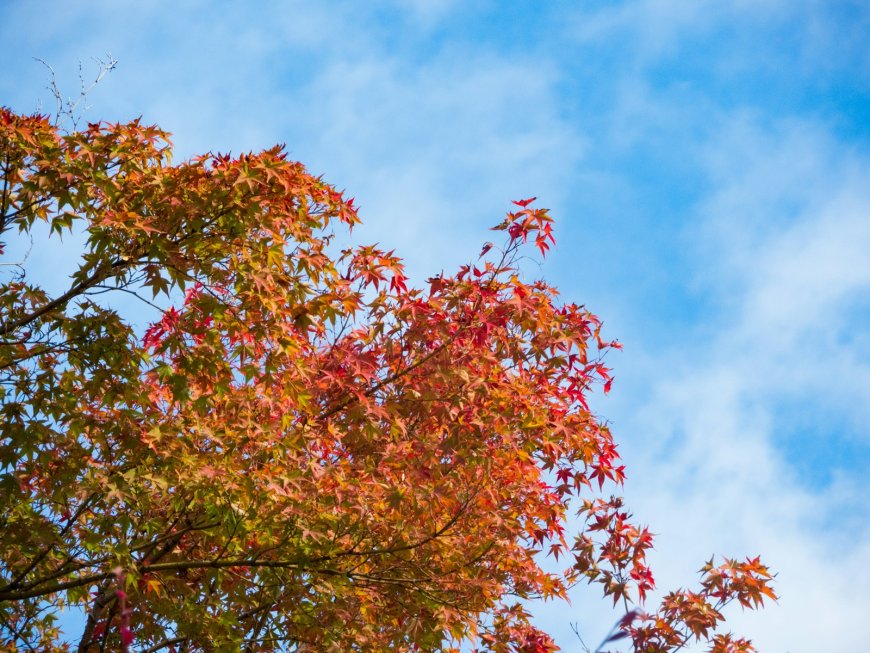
(524, 203)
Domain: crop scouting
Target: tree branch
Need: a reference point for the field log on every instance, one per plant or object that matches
(97, 277)
(39, 558)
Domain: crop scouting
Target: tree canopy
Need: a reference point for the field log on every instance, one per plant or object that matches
(300, 452)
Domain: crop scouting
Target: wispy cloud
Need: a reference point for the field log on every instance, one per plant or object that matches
(432, 150)
(719, 450)
(658, 27)
(791, 222)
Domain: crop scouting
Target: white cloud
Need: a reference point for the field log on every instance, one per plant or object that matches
(730, 431)
(811, 38)
(426, 12)
(708, 461)
(788, 231)
(656, 26)
(433, 148)
(430, 150)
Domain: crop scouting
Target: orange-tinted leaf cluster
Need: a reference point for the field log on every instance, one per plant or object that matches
(301, 450)
(685, 615)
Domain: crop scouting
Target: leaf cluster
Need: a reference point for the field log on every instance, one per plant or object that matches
(300, 452)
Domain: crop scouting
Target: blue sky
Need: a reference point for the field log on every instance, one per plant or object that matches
(708, 163)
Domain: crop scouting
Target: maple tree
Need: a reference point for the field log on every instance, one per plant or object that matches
(301, 452)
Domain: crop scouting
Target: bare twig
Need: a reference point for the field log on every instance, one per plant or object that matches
(71, 110)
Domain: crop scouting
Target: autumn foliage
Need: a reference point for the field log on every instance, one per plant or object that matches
(301, 452)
